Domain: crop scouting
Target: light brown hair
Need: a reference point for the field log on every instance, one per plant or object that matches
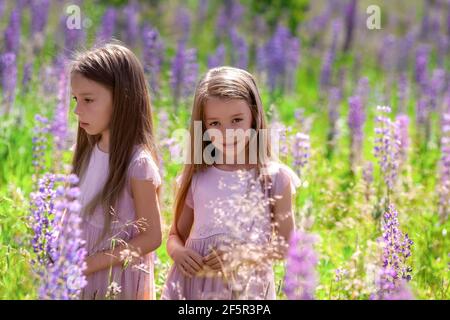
(118, 69)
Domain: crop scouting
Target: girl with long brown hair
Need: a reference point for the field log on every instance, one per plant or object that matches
(115, 157)
(225, 234)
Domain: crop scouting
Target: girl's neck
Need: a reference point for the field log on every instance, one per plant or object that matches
(103, 143)
(235, 165)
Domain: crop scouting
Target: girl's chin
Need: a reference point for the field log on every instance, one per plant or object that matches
(89, 131)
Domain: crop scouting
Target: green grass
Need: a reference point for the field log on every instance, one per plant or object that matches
(330, 195)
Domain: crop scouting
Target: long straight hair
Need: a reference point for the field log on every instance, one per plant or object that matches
(118, 69)
(224, 83)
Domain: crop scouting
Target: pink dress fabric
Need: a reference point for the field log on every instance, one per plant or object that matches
(205, 194)
(134, 283)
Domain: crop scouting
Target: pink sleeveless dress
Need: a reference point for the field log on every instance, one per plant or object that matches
(135, 282)
(216, 197)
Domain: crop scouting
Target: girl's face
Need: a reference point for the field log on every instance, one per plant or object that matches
(231, 114)
(93, 104)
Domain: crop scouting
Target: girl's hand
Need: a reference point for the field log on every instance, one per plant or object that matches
(215, 259)
(188, 261)
(89, 262)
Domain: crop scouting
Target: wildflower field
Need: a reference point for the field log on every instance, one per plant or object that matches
(359, 92)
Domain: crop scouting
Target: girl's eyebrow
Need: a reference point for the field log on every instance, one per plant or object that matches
(234, 115)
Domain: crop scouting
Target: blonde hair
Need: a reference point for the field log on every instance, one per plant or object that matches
(224, 83)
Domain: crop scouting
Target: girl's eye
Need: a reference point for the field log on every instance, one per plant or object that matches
(88, 100)
(214, 123)
(237, 120)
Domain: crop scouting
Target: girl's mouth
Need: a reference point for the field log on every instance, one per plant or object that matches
(83, 124)
(228, 145)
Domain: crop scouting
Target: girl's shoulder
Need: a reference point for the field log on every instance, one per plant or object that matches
(195, 176)
(143, 167)
(281, 176)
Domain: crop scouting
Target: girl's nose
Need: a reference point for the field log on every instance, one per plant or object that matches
(77, 110)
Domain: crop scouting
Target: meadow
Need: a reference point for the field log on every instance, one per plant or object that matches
(323, 68)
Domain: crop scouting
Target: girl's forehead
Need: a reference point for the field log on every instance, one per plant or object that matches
(225, 107)
(80, 81)
(81, 85)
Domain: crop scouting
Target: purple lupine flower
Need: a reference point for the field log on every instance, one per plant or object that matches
(448, 22)
(280, 57)
(387, 146)
(425, 26)
(276, 66)
(319, 22)
(443, 48)
(395, 270)
(42, 211)
(435, 25)
(217, 59)
(153, 54)
(261, 59)
(327, 65)
(60, 121)
(386, 52)
(402, 121)
(27, 75)
(292, 61)
(402, 92)
(183, 23)
(2, 7)
(58, 239)
(39, 140)
(350, 21)
(387, 289)
(301, 278)
(131, 12)
(444, 170)
(184, 72)
(107, 28)
(239, 56)
(335, 96)
(229, 16)
(73, 35)
(436, 86)
(404, 50)
(8, 67)
(397, 246)
(13, 31)
(39, 15)
(300, 151)
(421, 71)
(356, 119)
(202, 10)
